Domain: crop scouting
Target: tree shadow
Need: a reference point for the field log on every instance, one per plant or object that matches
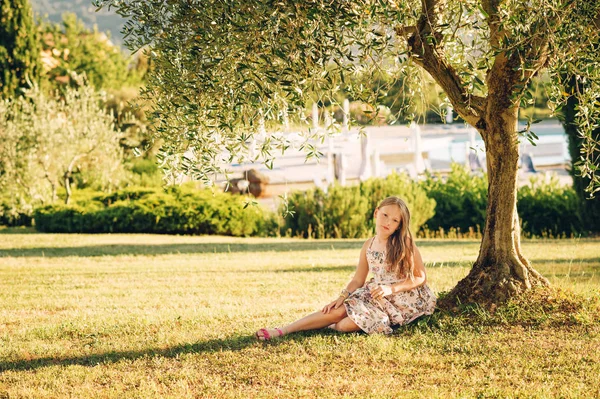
(178, 249)
(18, 230)
(194, 248)
(233, 343)
(574, 260)
(305, 269)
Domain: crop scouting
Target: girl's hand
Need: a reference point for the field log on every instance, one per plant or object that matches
(334, 304)
(381, 291)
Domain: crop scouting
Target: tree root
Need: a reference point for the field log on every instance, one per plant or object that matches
(491, 286)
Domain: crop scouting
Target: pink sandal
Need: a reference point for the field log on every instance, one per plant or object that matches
(266, 336)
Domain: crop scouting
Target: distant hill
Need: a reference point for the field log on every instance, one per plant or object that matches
(106, 21)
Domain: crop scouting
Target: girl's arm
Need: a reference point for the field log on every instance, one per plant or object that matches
(360, 276)
(362, 270)
(418, 272)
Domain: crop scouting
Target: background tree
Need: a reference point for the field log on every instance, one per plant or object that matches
(70, 47)
(223, 69)
(19, 47)
(47, 140)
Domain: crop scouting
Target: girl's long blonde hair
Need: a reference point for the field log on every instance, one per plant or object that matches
(399, 248)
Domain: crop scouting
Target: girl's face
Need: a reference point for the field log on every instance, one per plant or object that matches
(387, 220)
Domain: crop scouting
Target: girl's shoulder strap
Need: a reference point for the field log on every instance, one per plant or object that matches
(371, 244)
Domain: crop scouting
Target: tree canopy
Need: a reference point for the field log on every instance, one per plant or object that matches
(70, 47)
(19, 47)
(223, 66)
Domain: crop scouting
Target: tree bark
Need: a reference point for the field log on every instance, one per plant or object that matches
(67, 181)
(501, 270)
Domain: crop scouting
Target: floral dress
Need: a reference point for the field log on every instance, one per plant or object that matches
(377, 316)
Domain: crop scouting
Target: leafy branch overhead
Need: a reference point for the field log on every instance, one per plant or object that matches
(225, 70)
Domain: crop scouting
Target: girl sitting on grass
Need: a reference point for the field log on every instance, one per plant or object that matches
(396, 295)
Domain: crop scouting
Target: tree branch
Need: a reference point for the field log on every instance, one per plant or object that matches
(424, 50)
(406, 31)
(491, 9)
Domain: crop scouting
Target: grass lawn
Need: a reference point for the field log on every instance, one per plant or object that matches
(119, 316)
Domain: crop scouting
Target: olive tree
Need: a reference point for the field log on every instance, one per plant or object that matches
(46, 140)
(223, 70)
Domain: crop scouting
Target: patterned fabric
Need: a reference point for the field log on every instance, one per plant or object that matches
(377, 316)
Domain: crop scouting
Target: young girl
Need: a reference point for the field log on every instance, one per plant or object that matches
(396, 295)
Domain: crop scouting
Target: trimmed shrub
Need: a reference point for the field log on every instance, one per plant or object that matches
(178, 210)
(421, 207)
(339, 213)
(461, 200)
(347, 212)
(548, 209)
(13, 217)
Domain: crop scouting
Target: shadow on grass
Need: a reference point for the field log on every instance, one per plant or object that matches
(235, 343)
(18, 230)
(215, 345)
(199, 248)
(575, 261)
(177, 249)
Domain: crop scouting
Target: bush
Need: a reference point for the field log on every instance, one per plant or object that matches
(461, 200)
(549, 209)
(14, 216)
(178, 210)
(339, 213)
(421, 207)
(347, 212)
(545, 208)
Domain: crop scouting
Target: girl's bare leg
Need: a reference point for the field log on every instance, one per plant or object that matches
(316, 320)
(313, 321)
(346, 325)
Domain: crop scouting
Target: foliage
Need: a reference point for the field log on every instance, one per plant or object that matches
(590, 207)
(144, 172)
(71, 48)
(220, 72)
(421, 206)
(547, 208)
(460, 198)
(20, 64)
(47, 140)
(178, 210)
(338, 213)
(11, 215)
(347, 212)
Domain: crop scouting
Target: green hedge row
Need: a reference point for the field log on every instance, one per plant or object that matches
(179, 210)
(455, 201)
(546, 208)
(348, 211)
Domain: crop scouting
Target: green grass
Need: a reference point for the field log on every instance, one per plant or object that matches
(124, 316)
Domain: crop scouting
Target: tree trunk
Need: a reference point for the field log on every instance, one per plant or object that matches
(67, 181)
(52, 186)
(501, 270)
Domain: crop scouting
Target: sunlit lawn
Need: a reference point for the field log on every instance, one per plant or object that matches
(89, 316)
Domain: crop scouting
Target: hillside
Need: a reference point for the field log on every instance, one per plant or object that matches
(106, 21)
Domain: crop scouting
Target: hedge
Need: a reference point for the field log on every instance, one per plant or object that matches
(455, 201)
(175, 211)
(348, 211)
